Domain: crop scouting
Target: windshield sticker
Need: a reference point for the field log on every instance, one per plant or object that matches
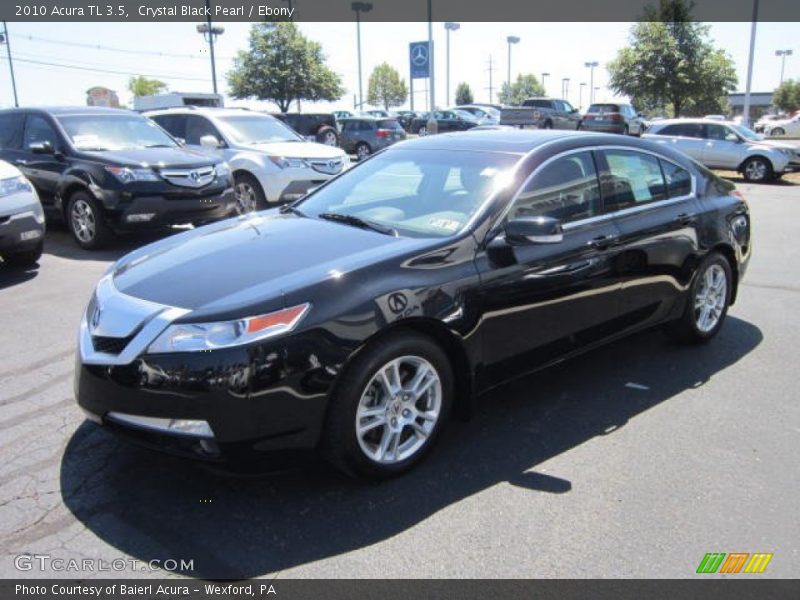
(85, 139)
(445, 224)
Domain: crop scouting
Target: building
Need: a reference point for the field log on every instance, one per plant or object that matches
(760, 104)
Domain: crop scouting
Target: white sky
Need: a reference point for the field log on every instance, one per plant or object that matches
(558, 48)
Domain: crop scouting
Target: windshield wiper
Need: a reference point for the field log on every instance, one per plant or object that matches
(158, 146)
(358, 222)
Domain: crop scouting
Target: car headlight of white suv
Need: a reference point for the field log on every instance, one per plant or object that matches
(14, 185)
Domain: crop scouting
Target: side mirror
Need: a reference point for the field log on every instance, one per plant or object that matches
(732, 137)
(181, 141)
(41, 148)
(534, 230)
(575, 110)
(210, 141)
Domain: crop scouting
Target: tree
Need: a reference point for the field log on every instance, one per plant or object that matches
(670, 63)
(787, 96)
(526, 86)
(386, 88)
(464, 94)
(142, 86)
(281, 66)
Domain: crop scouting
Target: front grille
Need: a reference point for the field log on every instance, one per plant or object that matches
(110, 345)
(194, 178)
(329, 167)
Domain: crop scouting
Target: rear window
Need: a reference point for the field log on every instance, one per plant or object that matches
(538, 103)
(389, 124)
(603, 108)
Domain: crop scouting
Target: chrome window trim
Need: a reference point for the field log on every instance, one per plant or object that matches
(605, 216)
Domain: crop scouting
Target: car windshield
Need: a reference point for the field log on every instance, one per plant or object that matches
(114, 132)
(257, 129)
(465, 115)
(746, 133)
(419, 193)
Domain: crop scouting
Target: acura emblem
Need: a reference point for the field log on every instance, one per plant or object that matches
(194, 176)
(96, 316)
(333, 164)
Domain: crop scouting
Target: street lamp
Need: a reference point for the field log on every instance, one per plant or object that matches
(543, 86)
(591, 66)
(449, 27)
(783, 54)
(360, 7)
(4, 39)
(565, 88)
(512, 39)
(580, 94)
(595, 89)
(210, 33)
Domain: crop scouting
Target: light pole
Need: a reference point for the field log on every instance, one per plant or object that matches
(783, 54)
(432, 126)
(595, 89)
(565, 88)
(746, 107)
(210, 33)
(580, 94)
(591, 66)
(4, 39)
(543, 85)
(360, 7)
(512, 39)
(449, 27)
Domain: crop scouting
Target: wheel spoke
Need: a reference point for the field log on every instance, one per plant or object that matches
(377, 422)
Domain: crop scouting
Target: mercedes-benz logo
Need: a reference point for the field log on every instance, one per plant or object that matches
(397, 302)
(419, 55)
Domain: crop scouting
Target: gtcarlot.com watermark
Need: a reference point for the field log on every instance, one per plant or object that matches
(49, 563)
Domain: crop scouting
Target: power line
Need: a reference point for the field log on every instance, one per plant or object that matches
(36, 38)
(111, 71)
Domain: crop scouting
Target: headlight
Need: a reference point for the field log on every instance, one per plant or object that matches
(14, 185)
(128, 175)
(197, 337)
(286, 163)
(223, 170)
(786, 151)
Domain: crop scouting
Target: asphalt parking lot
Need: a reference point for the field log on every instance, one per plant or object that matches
(633, 461)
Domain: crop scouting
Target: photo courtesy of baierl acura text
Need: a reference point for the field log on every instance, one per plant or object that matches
(424, 299)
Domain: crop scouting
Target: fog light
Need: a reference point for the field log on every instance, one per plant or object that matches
(191, 427)
(139, 217)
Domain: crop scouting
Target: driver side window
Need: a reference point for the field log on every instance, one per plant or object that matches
(38, 130)
(197, 127)
(566, 189)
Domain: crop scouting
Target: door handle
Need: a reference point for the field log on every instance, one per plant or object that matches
(20, 161)
(686, 218)
(603, 241)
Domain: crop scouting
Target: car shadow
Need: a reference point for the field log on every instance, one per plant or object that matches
(151, 506)
(736, 178)
(15, 275)
(59, 242)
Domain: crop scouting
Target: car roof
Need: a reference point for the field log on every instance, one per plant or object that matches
(690, 120)
(73, 110)
(369, 118)
(518, 141)
(203, 110)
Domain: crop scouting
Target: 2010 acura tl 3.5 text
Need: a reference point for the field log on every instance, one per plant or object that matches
(355, 321)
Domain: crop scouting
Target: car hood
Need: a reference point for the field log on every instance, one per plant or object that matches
(299, 150)
(774, 144)
(246, 261)
(8, 170)
(153, 157)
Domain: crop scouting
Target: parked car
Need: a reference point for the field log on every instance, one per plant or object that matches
(358, 319)
(364, 135)
(761, 124)
(788, 126)
(404, 117)
(725, 145)
(106, 170)
(271, 163)
(716, 117)
(383, 114)
(613, 118)
(342, 114)
(486, 115)
(22, 223)
(542, 113)
(319, 126)
(446, 121)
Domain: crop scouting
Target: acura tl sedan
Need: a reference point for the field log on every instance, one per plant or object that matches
(354, 322)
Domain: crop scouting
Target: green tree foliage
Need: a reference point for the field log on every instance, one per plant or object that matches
(787, 96)
(386, 88)
(142, 86)
(464, 94)
(526, 86)
(281, 66)
(671, 64)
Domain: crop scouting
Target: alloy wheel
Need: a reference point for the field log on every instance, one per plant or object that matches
(362, 151)
(709, 300)
(329, 138)
(756, 170)
(399, 409)
(423, 131)
(84, 221)
(246, 198)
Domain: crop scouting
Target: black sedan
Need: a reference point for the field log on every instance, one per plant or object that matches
(354, 322)
(446, 121)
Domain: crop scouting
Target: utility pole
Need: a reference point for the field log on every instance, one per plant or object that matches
(360, 7)
(512, 39)
(491, 68)
(210, 33)
(433, 127)
(4, 39)
(591, 66)
(746, 109)
(580, 94)
(783, 54)
(449, 27)
(544, 87)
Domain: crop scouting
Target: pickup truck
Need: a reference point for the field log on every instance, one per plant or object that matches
(544, 113)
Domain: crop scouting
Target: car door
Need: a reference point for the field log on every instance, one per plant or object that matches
(689, 138)
(569, 116)
(655, 211)
(543, 300)
(723, 147)
(42, 168)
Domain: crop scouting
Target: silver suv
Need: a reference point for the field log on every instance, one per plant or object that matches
(726, 145)
(271, 163)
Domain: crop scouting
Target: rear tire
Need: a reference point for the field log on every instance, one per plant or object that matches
(363, 150)
(28, 258)
(86, 222)
(422, 131)
(249, 194)
(328, 136)
(777, 131)
(547, 125)
(363, 401)
(706, 303)
(757, 170)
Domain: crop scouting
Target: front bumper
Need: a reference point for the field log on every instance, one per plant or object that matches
(21, 230)
(287, 185)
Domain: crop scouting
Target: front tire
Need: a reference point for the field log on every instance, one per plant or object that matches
(422, 131)
(757, 170)
(249, 194)
(86, 222)
(363, 150)
(777, 131)
(328, 136)
(24, 259)
(707, 302)
(389, 407)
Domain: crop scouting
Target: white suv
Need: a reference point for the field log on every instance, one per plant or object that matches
(726, 145)
(271, 163)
